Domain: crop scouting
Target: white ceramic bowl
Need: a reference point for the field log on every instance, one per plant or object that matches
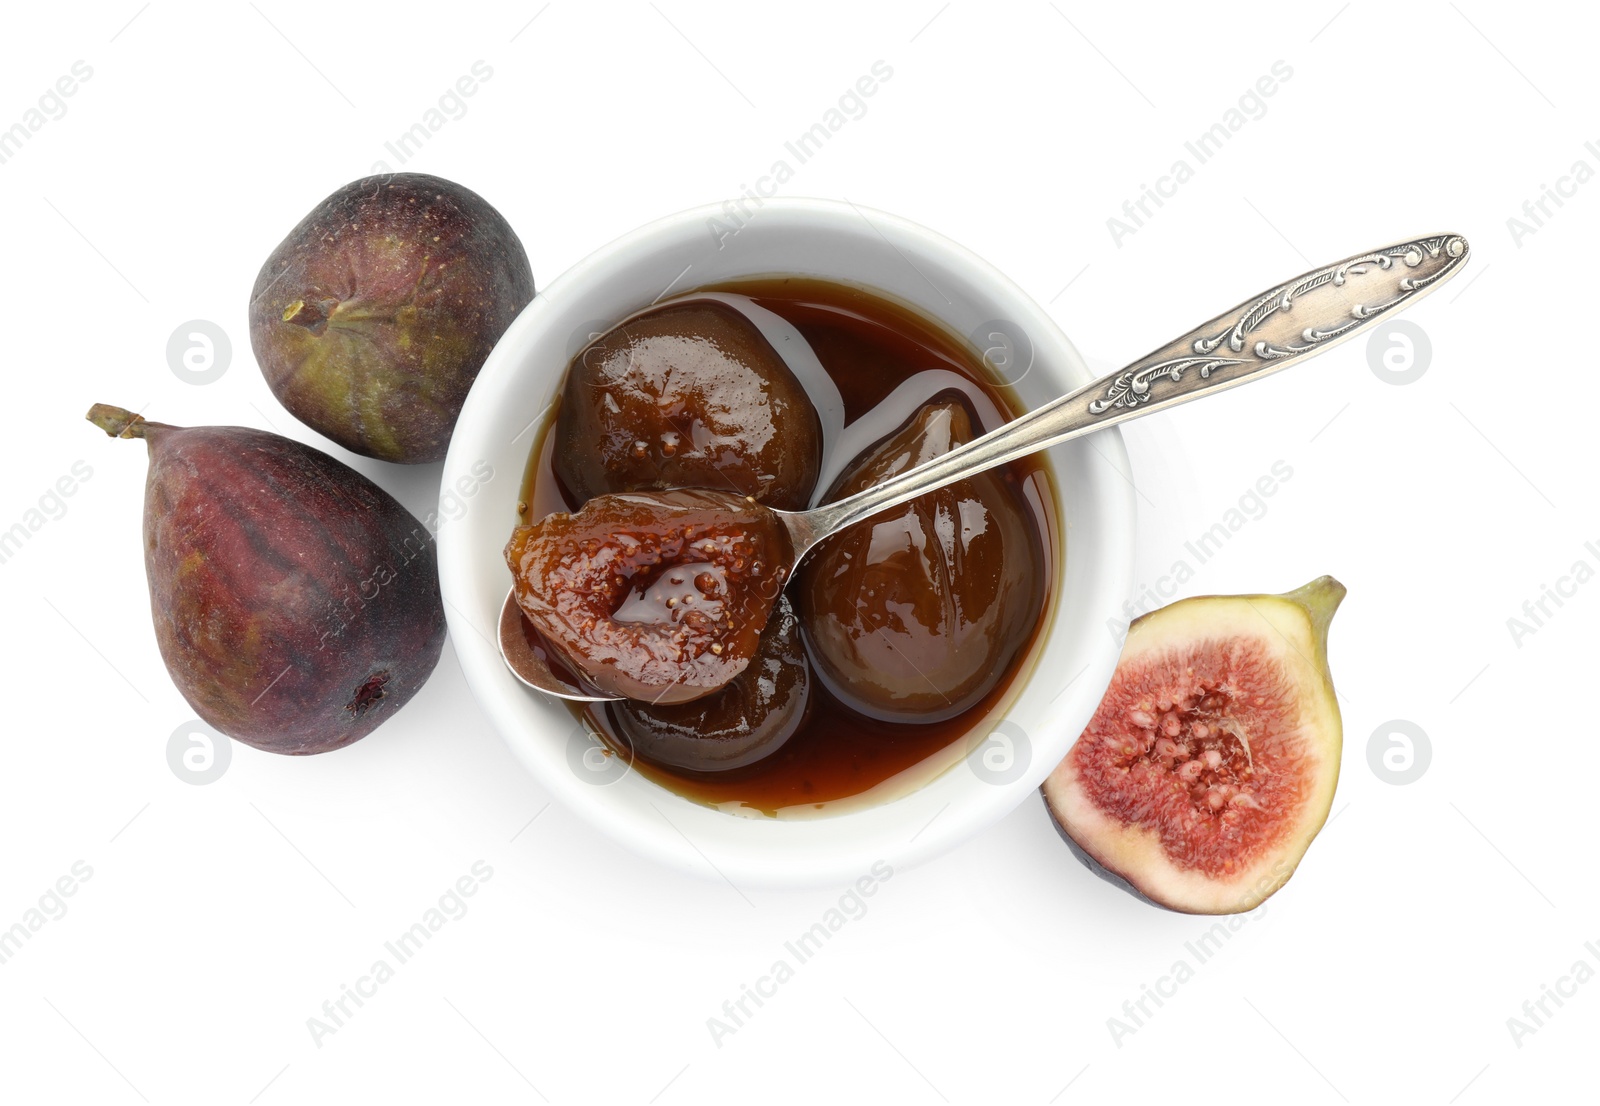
(813, 238)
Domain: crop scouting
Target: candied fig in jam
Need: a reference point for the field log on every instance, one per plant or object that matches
(687, 396)
(749, 719)
(660, 596)
(917, 613)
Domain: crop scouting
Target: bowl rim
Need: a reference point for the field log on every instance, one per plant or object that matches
(754, 851)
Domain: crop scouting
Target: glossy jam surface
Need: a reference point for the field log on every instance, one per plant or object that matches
(691, 395)
(658, 596)
(808, 727)
(748, 720)
(914, 614)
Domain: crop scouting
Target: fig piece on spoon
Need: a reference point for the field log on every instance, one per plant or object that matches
(660, 596)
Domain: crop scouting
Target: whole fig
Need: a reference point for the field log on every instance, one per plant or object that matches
(296, 603)
(373, 317)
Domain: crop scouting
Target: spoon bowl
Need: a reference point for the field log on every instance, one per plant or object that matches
(531, 664)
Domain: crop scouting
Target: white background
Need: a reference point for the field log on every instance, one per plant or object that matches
(219, 918)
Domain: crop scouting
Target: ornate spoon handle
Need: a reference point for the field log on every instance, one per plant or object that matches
(1309, 314)
(1295, 320)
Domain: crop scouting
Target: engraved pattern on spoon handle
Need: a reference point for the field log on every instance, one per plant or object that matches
(1293, 321)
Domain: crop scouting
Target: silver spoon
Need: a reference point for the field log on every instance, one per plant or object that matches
(1298, 319)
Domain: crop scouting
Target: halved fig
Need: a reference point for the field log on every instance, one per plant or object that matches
(1211, 762)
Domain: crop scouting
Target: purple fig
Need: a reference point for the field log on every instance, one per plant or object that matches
(296, 603)
(373, 317)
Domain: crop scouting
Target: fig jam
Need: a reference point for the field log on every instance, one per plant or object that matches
(657, 596)
(871, 368)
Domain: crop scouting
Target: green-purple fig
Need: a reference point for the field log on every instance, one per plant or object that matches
(372, 318)
(296, 603)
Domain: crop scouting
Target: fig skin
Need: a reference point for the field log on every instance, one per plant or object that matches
(1271, 652)
(372, 318)
(916, 613)
(691, 395)
(747, 721)
(296, 603)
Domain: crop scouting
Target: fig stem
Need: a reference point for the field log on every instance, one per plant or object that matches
(118, 422)
(311, 314)
(1320, 598)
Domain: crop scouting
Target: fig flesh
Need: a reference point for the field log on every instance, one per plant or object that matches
(373, 317)
(296, 603)
(1211, 762)
(689, 395)
(659, 596)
